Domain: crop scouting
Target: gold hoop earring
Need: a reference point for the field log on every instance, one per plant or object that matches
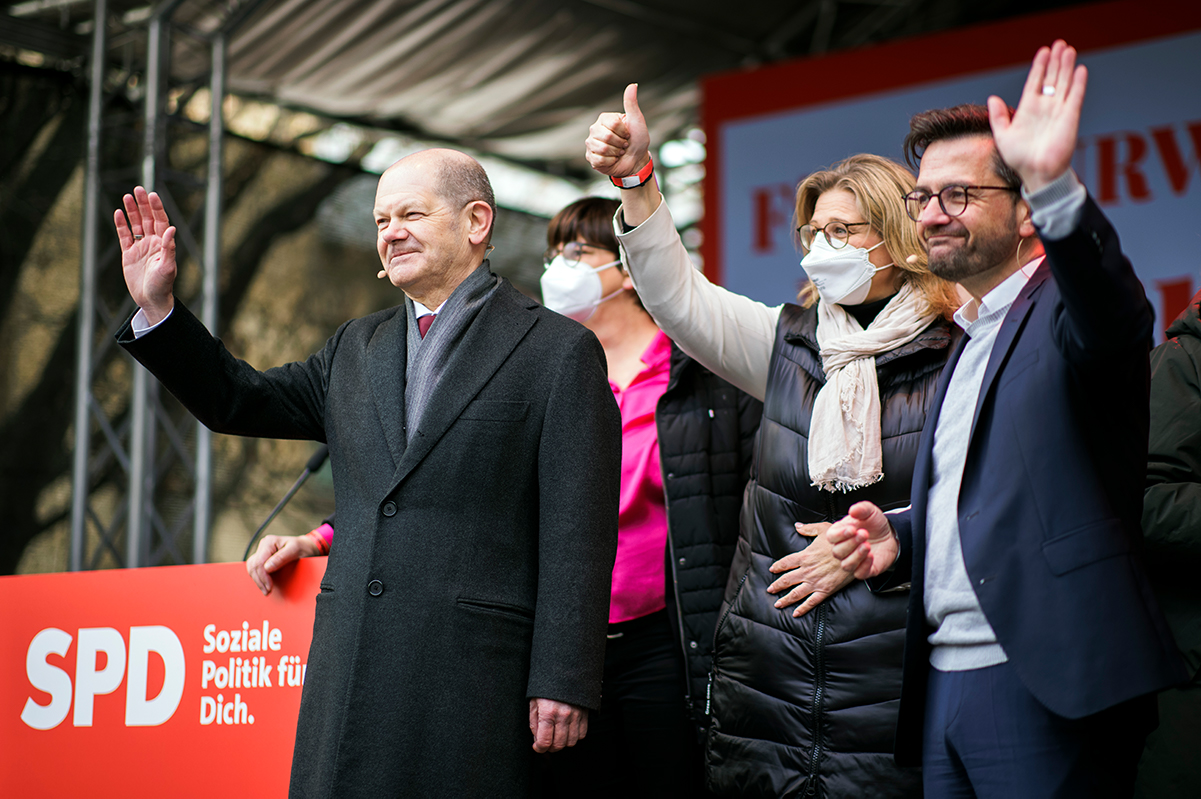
(1018, 256)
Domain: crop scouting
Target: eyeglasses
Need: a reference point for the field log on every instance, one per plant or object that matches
(573, 252)
(836, 233)
(952, 199)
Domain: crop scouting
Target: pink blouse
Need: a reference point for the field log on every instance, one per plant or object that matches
(638, 572)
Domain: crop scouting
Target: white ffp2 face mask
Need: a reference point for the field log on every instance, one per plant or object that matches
(842, 276)
(573, 288)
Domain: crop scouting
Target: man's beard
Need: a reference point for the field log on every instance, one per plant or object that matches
(970, 260)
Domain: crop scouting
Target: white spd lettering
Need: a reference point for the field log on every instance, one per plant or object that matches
(90, 681)
(139, 710)
(50, 679)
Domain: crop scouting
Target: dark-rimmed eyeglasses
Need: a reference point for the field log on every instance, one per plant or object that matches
(952, 199)
(573, 252)
(837, 233)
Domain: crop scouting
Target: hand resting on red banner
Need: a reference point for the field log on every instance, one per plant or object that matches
(275, 552)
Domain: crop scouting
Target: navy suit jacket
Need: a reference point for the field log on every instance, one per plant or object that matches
(1051, 499)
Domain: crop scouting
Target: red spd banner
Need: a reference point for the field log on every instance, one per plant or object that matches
(177, 681)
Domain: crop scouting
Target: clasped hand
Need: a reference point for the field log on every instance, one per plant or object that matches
(812, 574)
(863, 541)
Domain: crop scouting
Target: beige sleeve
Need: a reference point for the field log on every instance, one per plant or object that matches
(727, 333)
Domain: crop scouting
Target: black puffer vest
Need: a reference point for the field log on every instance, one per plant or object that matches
(808, 706)
(706, 434)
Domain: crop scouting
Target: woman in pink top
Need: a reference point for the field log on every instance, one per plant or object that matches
(584, 280)
(683, 425)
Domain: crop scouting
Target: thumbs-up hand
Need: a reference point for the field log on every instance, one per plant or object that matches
(619, 144)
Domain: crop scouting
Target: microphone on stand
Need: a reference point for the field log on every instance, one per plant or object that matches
(315, 463)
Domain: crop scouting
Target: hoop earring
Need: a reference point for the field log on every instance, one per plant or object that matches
(1018, 256)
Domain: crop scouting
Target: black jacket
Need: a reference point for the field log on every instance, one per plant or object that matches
(1172, 502)
(1172, 545)
(706, 433)
(808, 706)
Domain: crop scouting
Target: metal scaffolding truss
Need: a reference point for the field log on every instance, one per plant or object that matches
(142, 466)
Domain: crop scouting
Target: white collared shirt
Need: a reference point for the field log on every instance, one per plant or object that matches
(1002, 296)
(420, 310)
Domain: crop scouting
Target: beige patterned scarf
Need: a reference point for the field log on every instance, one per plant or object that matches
(844, 432)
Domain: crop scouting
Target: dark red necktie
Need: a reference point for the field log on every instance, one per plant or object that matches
(424, 322)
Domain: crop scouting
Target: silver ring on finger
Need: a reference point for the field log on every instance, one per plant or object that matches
(138, 237)
(1048, 90)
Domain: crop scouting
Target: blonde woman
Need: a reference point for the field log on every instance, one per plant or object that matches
(806, 667)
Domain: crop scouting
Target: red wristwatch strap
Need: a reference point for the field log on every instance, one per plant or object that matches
(637, 179)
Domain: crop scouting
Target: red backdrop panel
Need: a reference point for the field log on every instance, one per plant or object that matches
(230, 733)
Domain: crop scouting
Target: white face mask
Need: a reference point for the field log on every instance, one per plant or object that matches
(841, 277)
(573, 288)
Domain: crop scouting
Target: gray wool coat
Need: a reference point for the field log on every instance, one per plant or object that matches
(471, 570)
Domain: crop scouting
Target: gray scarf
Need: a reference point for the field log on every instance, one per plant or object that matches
(428, 357)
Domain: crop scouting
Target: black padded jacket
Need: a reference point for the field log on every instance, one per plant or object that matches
(808, 706)
(706, 431)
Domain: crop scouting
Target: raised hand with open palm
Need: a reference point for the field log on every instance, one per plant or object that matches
(1039, 138)
(147, 253)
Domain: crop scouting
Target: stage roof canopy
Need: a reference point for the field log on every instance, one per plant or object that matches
(522, 79)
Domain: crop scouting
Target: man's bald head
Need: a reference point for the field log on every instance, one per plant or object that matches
(433, 213)
(457, 177)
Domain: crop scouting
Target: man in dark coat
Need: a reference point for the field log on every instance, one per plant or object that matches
(1034, 647)
(476, 465)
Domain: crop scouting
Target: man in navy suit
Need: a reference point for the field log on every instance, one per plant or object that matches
(1034, 647)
